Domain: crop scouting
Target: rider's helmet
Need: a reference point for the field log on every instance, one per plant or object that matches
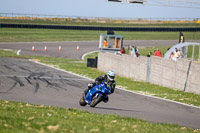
(111, 75)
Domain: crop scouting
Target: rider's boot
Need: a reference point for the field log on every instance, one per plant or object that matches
(105, 100)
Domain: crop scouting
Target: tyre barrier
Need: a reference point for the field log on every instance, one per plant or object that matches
(131, 29)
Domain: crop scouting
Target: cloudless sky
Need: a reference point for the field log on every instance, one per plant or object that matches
(95, 8)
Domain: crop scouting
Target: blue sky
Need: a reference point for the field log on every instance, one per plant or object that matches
(95, 8)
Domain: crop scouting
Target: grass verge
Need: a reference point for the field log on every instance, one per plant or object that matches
(50, 35)
(16, 117)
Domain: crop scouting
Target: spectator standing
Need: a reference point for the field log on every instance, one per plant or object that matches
(122, 51)
(149, 54)
(158, 53)
(137, 52)
(130, 48)
(133, 51)
(172, 56)
(105, 43)
(177, 53)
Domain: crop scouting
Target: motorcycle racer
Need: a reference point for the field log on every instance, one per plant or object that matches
(107, 79)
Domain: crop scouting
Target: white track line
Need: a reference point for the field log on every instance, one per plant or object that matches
(118, 87)
(18, 52)
(83, 56)
(160, 98)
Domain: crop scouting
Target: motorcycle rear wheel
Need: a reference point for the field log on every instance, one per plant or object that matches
(95, 100)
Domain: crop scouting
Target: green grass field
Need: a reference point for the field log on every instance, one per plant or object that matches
(49, 35)
(18, 117)
(107, 23)
(40, 35)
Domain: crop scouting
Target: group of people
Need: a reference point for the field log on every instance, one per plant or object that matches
(156, 53)
(134, 51)
(175, 55)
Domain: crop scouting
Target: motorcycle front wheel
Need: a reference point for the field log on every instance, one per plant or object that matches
(82, 101)
(95, 100)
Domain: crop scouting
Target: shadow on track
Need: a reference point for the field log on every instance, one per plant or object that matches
(106, 108)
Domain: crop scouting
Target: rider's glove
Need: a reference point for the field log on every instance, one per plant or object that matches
(106, 84)
(90, 85)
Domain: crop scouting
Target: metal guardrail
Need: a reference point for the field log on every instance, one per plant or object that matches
(133, 29)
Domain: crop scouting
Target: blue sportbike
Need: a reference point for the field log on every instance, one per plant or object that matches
(95, 95)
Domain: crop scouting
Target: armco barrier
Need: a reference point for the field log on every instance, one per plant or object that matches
(164, 72)
(135, 29)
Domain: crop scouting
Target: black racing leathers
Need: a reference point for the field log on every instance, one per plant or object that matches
(102, 78)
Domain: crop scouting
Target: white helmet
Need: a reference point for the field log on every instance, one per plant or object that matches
(111, 75)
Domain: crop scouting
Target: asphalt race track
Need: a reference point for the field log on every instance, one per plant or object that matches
(69, 48)
(24, 80)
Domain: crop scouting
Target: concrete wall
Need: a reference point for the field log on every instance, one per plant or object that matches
(193, 83)
(124, 65)
(181, 74)
(168, 73)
